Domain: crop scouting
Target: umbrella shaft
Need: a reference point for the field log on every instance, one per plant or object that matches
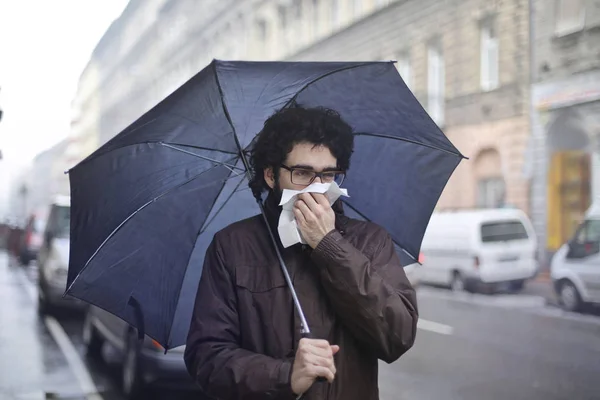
(305, 328)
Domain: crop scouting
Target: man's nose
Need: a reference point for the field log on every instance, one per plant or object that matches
(320, 180)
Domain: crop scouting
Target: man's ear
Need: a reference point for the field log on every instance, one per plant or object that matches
(269, 176)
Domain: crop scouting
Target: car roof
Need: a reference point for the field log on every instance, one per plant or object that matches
(62, 201)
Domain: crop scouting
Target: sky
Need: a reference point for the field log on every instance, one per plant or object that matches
(44, 46)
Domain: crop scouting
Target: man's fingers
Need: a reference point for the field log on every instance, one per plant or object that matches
(334, 349)
(299, 216)
(309, 200)
(315, 342)
(316, 370)
(303, 208)
(322, 351)
(327, 362)
(320, 199)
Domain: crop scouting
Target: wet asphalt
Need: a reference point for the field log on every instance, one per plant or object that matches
(508, 346)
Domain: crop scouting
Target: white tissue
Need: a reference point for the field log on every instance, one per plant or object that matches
(289, 233)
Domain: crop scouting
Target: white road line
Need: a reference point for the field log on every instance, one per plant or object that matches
(59, 335)
(435, 327)
(77, 366)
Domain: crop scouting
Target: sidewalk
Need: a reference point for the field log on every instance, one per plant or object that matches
(31, 365)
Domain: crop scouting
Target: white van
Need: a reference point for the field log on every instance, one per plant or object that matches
(480, 248)
(575, 268)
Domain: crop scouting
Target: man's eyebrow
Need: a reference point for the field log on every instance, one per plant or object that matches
(311, 168)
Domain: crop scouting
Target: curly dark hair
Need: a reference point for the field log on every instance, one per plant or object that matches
(293, 125)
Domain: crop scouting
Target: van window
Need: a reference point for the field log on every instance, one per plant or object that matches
(61, 220)
(503, 231)
(589, 232)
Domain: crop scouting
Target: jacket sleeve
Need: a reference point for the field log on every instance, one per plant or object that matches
(213, 356)
(371, 295)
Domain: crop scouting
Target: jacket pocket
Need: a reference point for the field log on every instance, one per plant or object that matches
(259, 279)
(265, 310)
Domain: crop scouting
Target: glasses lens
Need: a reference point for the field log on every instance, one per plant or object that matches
(302, 177)
(339, 178)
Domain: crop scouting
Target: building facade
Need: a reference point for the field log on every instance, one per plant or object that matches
(156, 45)
(565, 143)
(466, 61)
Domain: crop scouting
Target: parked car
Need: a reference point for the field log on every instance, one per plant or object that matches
(31, 239)
(412, 273)
(575, 268)
(144, 363)
(487, 248)
(53, 260)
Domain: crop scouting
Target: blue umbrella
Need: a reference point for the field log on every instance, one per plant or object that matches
(145, 205)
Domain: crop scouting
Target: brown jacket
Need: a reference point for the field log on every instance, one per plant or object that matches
(244, 330)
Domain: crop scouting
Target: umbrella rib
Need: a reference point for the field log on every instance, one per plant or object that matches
(369, 219)
(304, 323)
(133, 214)
(199, 148)
(408, 141)
(92, 157)
(228, 166)
(222, 206)
(290, 101)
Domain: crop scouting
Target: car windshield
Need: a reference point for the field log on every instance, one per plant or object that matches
(62, 220)
(503, 231)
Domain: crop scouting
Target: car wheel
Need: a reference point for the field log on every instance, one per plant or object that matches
(458, 283)
(569, 297)
(131, 376)
(44, 307)
(91, 338)
(517, 286)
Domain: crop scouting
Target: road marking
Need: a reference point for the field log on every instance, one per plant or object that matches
(512, 301)
(77, 365)
(435, 327)
(59, 335)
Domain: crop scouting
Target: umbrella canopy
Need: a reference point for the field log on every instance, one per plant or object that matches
(145, 205)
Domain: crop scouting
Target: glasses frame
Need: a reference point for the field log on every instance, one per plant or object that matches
(316, 175)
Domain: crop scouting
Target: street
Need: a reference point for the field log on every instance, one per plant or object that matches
(507, 346)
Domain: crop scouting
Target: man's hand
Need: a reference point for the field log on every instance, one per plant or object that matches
(314, 216)
(314, 358)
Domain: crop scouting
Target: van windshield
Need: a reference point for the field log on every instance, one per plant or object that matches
(62, 221)
(503, 231)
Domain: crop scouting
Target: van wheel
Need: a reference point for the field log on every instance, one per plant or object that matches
(458, 283)
(569, 297)
(517, 286)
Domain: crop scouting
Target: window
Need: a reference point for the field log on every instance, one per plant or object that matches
(589, 232)
(315, 17)
(282, 11)
(297, 10)
(490, 193)
(261, 30)
(489, 54)
(357, 8)
(335, 13)
(503, 231)
(586, 242)
(403, 66)
(435, 83)
(569, 16)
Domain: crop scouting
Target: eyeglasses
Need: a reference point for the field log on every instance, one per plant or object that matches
(304, 177)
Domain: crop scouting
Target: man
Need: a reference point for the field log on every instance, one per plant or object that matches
(244, 340)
